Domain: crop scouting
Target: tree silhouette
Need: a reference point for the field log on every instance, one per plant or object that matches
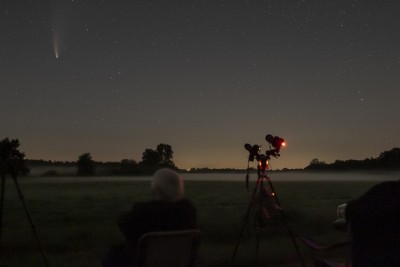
(166, 154)
(316, 164)
(150, 160)
(158, 158)
(86, 165)
(390, 159)
(10, 156)
(128, 166)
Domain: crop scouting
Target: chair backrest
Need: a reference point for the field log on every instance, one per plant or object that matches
(374, 219)
(168, 249)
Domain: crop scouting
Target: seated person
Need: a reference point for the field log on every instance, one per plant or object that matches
(374, 220)
(169, 210)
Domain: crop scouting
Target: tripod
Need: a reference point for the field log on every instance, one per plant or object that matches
(9, 165)
(267, 206)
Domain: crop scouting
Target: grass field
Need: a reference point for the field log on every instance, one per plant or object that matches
(76, 221)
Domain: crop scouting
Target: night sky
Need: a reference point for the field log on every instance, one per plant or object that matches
(113, 78)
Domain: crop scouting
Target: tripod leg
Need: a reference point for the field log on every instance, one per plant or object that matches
(3, 179)
(257, 245)
(246, 218)
(21, 196)
(286, 224)
(242, 230)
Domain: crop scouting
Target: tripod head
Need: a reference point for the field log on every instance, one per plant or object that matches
(275, 142)
(254, 150)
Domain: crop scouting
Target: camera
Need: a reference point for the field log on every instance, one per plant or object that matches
(254, 151)
(276, 142)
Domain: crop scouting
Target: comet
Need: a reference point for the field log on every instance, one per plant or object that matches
(56, 45)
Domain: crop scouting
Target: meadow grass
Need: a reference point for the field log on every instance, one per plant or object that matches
(76, 221)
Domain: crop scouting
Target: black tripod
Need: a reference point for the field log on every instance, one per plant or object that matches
(9, 166)
(264, 200)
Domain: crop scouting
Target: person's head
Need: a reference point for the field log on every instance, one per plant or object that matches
(167, 185)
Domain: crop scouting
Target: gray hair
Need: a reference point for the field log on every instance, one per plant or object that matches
(167, 185)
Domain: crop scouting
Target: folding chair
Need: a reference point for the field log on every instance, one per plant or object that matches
(319, 251)
(168, 249)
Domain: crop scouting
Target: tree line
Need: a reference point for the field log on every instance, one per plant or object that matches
(387, 160)
(152, 159)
